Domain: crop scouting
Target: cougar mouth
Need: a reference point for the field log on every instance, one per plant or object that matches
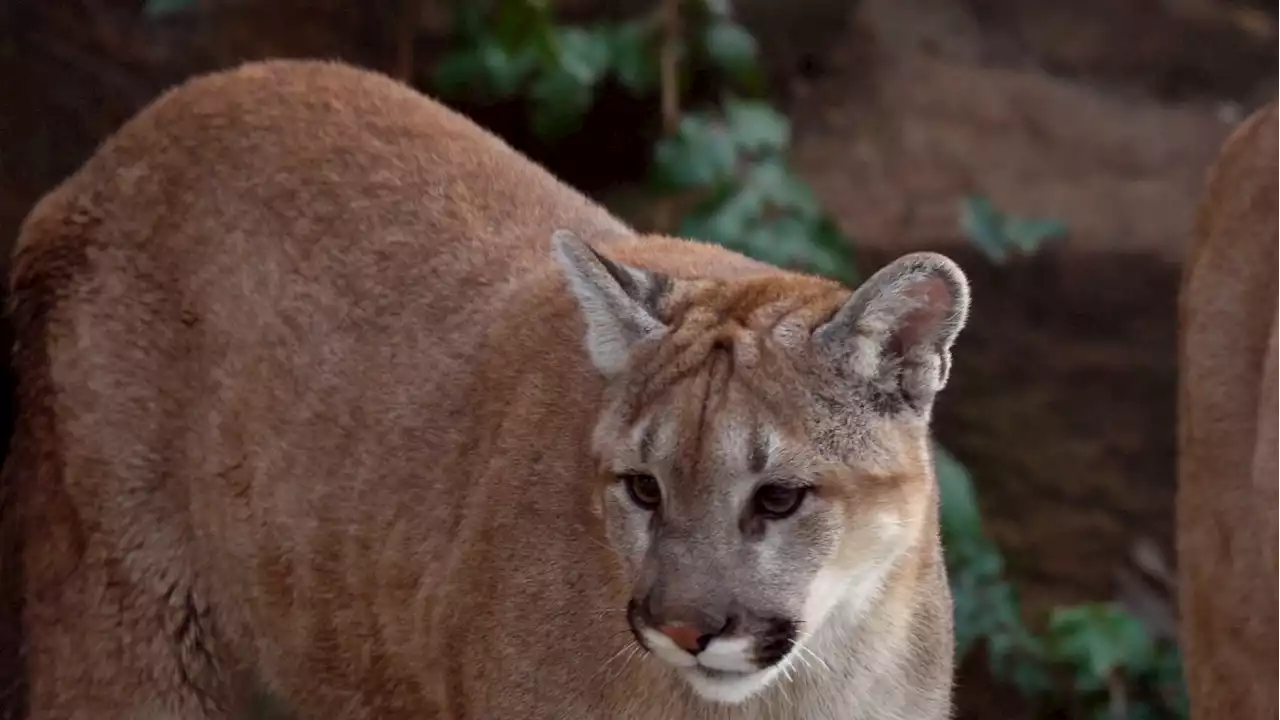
(711, 673)
(727, 687)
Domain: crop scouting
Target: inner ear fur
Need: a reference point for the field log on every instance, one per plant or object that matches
(896, 331)
(618, 302)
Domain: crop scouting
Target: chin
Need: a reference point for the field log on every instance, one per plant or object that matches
(727, 688)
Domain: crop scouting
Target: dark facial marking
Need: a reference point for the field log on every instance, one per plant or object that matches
(646, 443)
(887, 404)
(776, 641)
(758, 457)
(704, 388)
(752, 525)
(659, 288)
(651, 298)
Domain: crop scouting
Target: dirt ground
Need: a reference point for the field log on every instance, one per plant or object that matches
(1102, 113)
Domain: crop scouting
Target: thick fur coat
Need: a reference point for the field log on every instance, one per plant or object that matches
(328, 394)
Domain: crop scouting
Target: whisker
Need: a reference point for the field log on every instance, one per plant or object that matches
(607, 546)
(803, 660)
(818, 659)
(631, 645)
(635, 647)
(786, 671)
(803, 647)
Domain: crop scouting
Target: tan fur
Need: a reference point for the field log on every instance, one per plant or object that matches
(305, 407)
(1227, 479)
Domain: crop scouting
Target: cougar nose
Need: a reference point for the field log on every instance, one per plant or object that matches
(687, 637)
(691, 631)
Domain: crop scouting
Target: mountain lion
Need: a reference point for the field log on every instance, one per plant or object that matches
(1227, 407)
(328, 393)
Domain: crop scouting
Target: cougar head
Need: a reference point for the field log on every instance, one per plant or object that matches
(762, 449)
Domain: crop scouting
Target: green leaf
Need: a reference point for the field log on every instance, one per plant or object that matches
(562, 94)
(560, 101)
(986, 605)
(782, 189)
(634, 58)
(783, 242)
(984, 226)
(733, 51)
(719, 9)
(700, 154)
(960, 518)
(996, 233)
(1166, 674)
(459, 74)
(757, 127)
(827, 235)
(1027, 234)
(160, 8)
(583, 54)
(469, 18)
(518, 21)
(486, 71)
(737, 220)
(813, 255)
(505, 70)
(726, 219)
(1097, 640)
(802, 236)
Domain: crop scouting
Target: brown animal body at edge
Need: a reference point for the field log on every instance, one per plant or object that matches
(327, 393)
(1227, 444)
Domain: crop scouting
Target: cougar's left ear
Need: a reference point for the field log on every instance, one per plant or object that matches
(896, 330)
(618, 302)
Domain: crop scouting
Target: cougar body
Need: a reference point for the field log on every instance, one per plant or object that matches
(329, 395)
(1227, 479)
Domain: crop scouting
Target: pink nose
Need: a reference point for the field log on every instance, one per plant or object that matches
(687, 637)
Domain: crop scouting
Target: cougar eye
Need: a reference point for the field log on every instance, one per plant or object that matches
(643, 490)
(776, 501)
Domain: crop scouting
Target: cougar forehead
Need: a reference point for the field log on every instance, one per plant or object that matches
(734, 384)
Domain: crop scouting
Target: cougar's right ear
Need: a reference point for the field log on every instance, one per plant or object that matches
(618, 302)
(896, 331)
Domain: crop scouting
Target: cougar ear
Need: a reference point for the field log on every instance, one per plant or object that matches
(618, 302)
(896, 330)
